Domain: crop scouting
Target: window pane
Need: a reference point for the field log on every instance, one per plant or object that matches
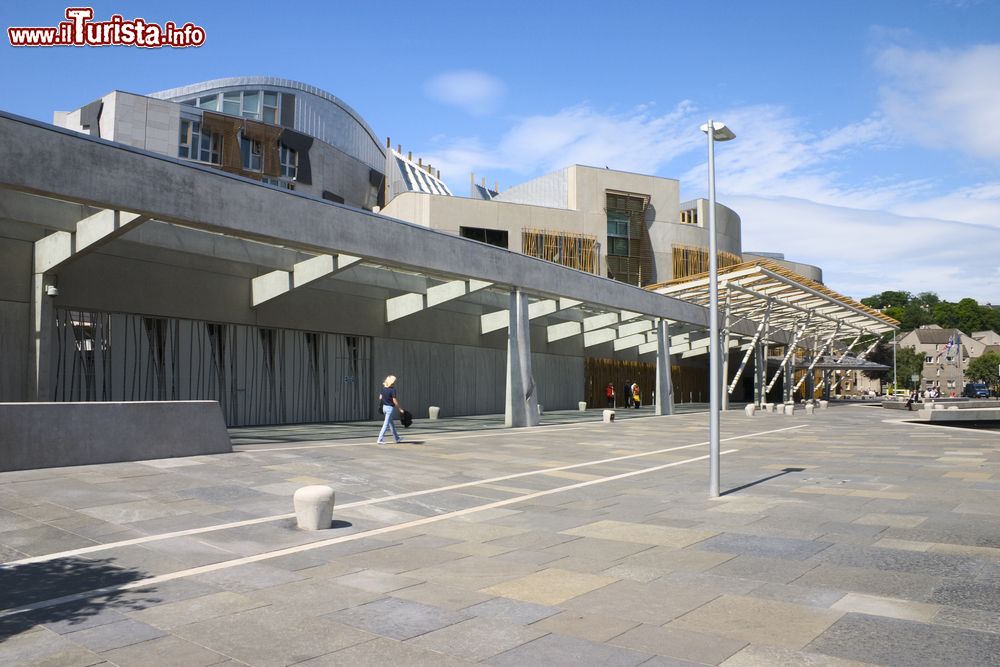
(251, 102)
(269, 115)
(231, 103)
(210, 102)
(271, 99)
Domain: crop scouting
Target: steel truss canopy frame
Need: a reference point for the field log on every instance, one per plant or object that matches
(793, 303)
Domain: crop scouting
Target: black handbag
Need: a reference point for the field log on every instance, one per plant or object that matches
(406, 419)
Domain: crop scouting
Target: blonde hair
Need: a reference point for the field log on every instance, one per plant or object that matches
(389, 381)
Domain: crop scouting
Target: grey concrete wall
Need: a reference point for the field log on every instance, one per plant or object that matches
(46, 435)
(464, 380)
(15, 314)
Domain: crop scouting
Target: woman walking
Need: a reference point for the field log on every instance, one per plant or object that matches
(389, 403)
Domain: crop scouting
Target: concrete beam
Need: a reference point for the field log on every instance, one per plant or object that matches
(563, 330)
(219, 202)
(399, 307)
(54, 250)
(591, 338)
(500, 319)
(275, 283)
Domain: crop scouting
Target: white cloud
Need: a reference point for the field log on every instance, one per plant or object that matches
(944, 99)
(865, 252)
(790, 183)
(474, 92)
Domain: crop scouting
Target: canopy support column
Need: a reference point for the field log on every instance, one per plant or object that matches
(521, 407)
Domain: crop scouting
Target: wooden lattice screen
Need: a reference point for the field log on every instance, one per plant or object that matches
(577, 251)
(690, 261)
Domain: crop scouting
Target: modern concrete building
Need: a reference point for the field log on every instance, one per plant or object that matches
(281, 132)
(251, 241)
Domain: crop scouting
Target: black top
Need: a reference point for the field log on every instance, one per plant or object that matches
(387, 394)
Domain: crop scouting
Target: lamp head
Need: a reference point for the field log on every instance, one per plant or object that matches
(720, 131)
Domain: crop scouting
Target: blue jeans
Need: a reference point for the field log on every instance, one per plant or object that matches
(387, 410)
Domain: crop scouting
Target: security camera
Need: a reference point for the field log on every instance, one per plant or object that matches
(51, 290)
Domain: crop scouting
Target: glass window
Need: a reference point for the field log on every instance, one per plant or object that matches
(189, 103)
(231, 103)
(210, 102)
(251, 104)
(270, 107)
(618, 246)
(289, 161)
(252, 153)
(617, 224)
(196, 145)
(184, 145)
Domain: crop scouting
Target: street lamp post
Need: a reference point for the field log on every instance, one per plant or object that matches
(716, 131)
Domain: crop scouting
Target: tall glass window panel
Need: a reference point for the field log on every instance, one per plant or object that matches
(210, 102)
(184, 143)
(270, 107)
(289, 161)
(231, 103)
(251, 104)
(252, 153)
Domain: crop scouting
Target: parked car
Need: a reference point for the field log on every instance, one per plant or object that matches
(976, 390)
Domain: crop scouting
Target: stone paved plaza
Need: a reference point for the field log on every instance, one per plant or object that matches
(843, 538)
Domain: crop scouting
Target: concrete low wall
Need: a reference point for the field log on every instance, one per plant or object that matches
(962, 415)
(47, 435)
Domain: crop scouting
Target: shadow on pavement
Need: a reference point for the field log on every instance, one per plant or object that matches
(762, 480)
(24, 585)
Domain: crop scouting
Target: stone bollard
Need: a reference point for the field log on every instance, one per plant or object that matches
(938, 406)
(541, 410)
(953, 407)
(749, 409)
(609, 416)
(433, 411)
(582, 405)
(313, 507)
(809, 408)
(769, 407)
(823, 405)
(790, 409)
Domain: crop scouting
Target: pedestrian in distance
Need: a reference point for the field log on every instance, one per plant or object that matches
(609, 393)
(636, 395)
(390, 404)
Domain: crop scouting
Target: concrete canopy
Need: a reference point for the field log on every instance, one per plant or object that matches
(59, 164)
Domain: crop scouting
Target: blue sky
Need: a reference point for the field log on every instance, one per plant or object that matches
(868, 132)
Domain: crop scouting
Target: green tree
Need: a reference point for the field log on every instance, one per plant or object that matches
(908, 362)
(888, 299)
(985, 368)
(970, 316)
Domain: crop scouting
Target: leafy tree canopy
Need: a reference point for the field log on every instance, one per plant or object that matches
(927, 308)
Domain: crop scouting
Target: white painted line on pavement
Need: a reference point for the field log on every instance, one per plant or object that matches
(151, 581)
(371, 501)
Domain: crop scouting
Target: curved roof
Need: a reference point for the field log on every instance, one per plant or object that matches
(794, 299)
(266, 81)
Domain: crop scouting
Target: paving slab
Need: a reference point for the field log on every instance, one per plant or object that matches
(831, 538)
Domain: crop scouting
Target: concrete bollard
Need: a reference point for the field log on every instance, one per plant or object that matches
(313, 507)
(582, 405)
(823, 405)
(790, 409)
(769, 407)
(433, 412)
(749, 409)
(953, 407)
(938, 406)
(541, 410)
(609, 416)
(809, 408)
